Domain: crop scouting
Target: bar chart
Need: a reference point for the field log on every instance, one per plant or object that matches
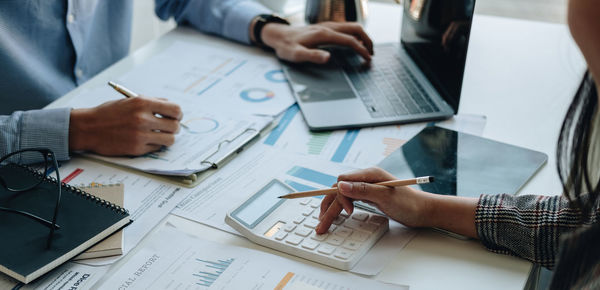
(212, 271)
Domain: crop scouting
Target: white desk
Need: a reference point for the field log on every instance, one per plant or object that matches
(520, 74)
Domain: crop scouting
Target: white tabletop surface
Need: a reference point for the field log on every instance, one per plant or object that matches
(520, 74)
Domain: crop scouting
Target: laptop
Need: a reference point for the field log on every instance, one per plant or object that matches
(418, 79)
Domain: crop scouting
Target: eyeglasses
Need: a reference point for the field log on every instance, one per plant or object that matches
(18, 183)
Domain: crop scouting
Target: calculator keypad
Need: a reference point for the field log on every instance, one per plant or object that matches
(345, 237)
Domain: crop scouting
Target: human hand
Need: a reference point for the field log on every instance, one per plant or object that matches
(403, 204)
(125, 127)
(300, 44)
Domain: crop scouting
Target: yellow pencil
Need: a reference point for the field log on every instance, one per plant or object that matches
(391, 183)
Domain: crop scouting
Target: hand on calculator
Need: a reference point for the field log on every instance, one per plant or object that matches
(403, 204)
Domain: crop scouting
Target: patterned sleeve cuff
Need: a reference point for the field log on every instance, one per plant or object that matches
(46, 128)
(486, 217)
(527, 226)
(237, 22)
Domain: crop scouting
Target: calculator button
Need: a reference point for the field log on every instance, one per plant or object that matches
(351, 245)
(359, 236)
(294, 239)
(339, 220)
(311, 223)
(370, 228)
(326, 249)
(289, 227)
(332, 228)
(343, 254)
(334, 240)
(280, 235)
(298, 219)
(307, 211)
(377, 219)
(304, 201)
(345, 215)
(352, 224)
(310, 244)
(342, 232)
(316, 237)
(361, 216)
(314, 203)
(315, 216)
(302, 231)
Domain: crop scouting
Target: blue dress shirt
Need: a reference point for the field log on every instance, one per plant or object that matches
(47, 48)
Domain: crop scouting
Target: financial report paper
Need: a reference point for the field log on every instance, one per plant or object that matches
(175, 260)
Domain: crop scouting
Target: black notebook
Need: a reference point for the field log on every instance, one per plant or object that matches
(84, 220)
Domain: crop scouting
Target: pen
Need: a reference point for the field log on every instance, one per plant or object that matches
(130, 94)
(391, 183)
(123, 90)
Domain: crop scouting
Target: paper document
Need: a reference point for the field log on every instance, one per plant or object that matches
(203, 77)
(175, 260)
(148, 200)
(205, 139)
(357, 147)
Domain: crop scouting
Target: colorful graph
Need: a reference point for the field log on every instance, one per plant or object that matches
(391, 145)
(283, 124)
(256, 95)
(276, 76)
(212, 271)
(299, 186)
(317, 142)
(201, 125)
(312, 175)
(345, 145)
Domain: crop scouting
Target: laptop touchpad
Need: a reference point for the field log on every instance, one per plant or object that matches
(318, 83)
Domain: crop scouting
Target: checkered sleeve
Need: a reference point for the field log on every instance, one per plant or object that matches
(527, 226)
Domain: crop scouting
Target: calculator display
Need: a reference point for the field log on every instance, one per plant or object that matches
(261, 204)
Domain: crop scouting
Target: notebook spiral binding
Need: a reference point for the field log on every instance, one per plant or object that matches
(80, 192)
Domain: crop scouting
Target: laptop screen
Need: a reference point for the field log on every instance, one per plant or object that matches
(435, 33)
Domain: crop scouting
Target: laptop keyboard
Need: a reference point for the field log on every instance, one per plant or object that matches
(387, 88)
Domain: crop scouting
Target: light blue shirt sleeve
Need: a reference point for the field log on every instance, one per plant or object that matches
(228, 18)
(36, 128)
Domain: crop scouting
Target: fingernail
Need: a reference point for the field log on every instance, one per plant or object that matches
(345, 187)
(325, 56)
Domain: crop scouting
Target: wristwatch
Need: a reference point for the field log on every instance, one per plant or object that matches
(261, 21)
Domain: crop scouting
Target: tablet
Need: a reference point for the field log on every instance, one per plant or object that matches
(463, 164)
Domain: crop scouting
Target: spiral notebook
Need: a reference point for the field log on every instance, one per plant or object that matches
(84, 220)
(113, 245)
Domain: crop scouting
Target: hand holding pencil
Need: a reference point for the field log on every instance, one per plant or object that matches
(376, 186)
(390, 183)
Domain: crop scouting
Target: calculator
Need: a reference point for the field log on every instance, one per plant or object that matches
(288, 225)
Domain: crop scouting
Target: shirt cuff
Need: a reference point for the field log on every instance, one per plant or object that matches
(236, 24)
(486, 220)
(47, 128)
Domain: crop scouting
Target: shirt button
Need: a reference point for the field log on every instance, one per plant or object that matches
(70, 18)
(78, 73)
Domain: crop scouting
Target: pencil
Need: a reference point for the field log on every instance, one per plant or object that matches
(391, 183)
(130, 94)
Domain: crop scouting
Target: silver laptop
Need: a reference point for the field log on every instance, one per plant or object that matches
(418, 79)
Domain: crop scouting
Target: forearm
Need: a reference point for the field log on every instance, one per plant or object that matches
(36, 128)
(228, 18)
(451, 213)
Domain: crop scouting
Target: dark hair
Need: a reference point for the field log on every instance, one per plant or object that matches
(575, 148)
